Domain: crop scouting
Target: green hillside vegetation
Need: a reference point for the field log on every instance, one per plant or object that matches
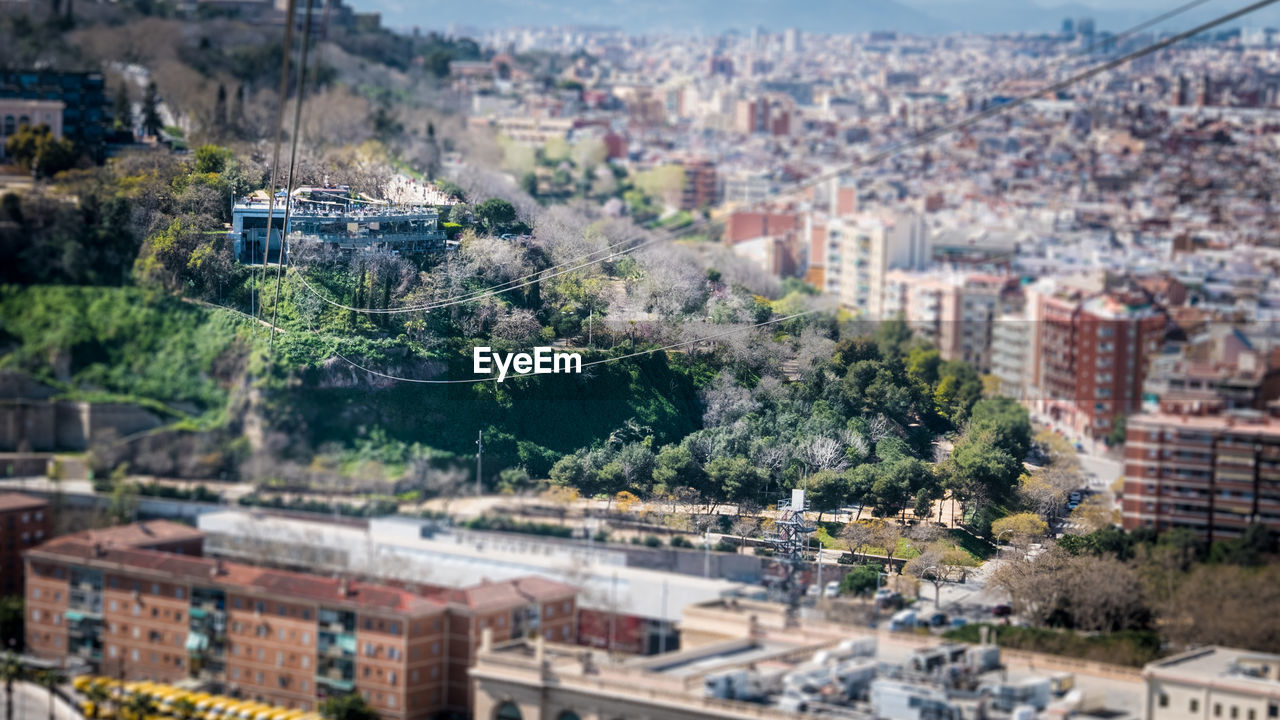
(130, 342)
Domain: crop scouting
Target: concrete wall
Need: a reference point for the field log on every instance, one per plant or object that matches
(44, 425)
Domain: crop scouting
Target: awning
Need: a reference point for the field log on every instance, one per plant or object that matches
(73, 616)
(197, 612)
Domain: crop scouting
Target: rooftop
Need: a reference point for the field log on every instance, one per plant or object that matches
(138, 535)
(250, 578)
(18, 501)
(1222, 668)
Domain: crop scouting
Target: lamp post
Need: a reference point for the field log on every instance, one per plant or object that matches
(999, 547)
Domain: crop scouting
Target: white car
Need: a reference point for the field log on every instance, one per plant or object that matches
(832, 589)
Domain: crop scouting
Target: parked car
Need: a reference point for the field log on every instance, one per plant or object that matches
(938, 619)
(832, 589)
(958, 622)
(1002, 610)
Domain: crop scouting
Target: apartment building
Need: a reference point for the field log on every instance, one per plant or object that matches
(1092, 352)
(1222, 361)
(24, 523)
(1199, 466)
(954, 311)
(862, 250)
(701, 185)
(1213, 683)
(1012, 353)
(273, 635)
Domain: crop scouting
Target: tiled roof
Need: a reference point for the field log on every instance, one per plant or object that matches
(281, 583)
(137, 535)
(18, 501)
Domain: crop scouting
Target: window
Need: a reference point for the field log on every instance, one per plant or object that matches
(1217, 709)
(1164, 700)
(391, 677)
(508, 711)
(568, 715)
(35, 615)
(1235, 712)
(306, 638)
(1195, 705)
(134, 655)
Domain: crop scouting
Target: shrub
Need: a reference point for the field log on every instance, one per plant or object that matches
(652, 541)
(681, 541)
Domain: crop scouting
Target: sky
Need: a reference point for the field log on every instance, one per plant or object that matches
(716, 15)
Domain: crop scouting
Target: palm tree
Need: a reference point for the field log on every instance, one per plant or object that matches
(50, 680)
(97, 694)
(10, 669)
(184, 708)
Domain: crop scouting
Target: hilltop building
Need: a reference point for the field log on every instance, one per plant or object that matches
(336, 217)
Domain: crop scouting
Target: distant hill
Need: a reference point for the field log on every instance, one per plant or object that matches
(829, 16)
(703, 16)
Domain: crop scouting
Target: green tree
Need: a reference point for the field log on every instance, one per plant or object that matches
(734, 479)
(98, 695)
(675, 467)
(139, 706)
(861, 580)
(347, 707)
(1119, 428)
(1008, 423)
(496, 214)
(184, 708)
(35, 148)
(212, 159)
(529, 183)
(825, 490)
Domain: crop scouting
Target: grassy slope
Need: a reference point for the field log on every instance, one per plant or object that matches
(121, 343)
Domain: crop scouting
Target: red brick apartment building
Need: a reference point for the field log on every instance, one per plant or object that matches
(1196, 465)
(277, 636)
(1094, 353)
(24, 523)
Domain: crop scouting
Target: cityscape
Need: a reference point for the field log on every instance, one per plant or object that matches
(906, 360)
